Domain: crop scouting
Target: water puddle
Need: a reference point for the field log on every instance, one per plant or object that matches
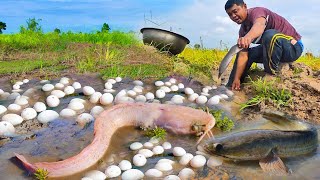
(63, 138)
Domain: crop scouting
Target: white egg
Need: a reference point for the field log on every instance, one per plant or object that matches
(214, 100)
(86, 178)
(132, 174)
(166, 145)
(167, 84)
(25, 81)
(181, 86)
(69, 90)
(153, 173)
(67, 113)
(59, 86)
(3, 109)
(88, 90)
(172, 177)
(135, 146)
(138, 89)
(146, 152)
(166, 161)
(28, 114)
(64, 80)
(5, 95)
(108, 85)
(44, 81)
(6, 128)
(16, 86)
(95, 175)
(163, 166)
(186, 173)
(178, 151)
(160, 93)
(172, 80)
(229, 93)
(22, 101)
(159, 83)
(77, 100)
(165, 89)
(185, 159)
(84, 118)
(214, 161)
(148, 145)
(1, 91)
(208, 87)
(140, 98)
(138, 83)
(223, 96)
(154, 140)
(193, 97)
(174, 88)
(106, 99)
(52, 101)
(95, 97)
(118, 79)
(205, 90)
(15, 108)
(76, 85)
(58, 93)
(47, 116)
(214, 87)
(158, 150)
(39, 106)
(149, 96)
(188, 91)
(14, 119)
(47, 87)
(131, 93)
(177, 99)
(198, 161)
(113, 171)
(139, 160)
(201, 100)
(125, 165)
(96, 110)
(112, 81)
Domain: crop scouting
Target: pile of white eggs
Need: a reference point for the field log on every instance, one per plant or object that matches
(85, 109)
(188, 163)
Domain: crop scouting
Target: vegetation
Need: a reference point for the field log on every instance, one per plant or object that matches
(41, 174)
(223, 122)
(267, 91)
(156, 132)
(3, 26)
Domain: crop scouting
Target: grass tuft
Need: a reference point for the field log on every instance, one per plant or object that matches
(41, 174)
(156, 132)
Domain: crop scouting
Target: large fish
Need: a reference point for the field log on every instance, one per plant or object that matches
(177, 119)
(232, 51)
(267, 145)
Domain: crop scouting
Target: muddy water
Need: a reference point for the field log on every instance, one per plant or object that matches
(63, 138)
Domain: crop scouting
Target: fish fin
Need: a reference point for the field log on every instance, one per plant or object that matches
(273, 164)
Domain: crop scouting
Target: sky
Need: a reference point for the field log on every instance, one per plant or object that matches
(194, 19)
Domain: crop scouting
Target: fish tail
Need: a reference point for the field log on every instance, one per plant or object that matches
(30, 167)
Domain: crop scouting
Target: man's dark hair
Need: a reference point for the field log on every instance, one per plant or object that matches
(230, 3)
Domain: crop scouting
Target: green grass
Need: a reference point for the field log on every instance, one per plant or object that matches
(20, 66)
(41, 174)
(156, 132)
(266, 91)
(136, 71)
(55, 42)
(311, 61)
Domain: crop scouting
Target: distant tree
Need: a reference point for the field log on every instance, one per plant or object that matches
(105, 27)
(197, 46)
(56, 30)
(2, 26)
(32, 25)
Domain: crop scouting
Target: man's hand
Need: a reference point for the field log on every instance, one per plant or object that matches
(244, 42)
(236, 85)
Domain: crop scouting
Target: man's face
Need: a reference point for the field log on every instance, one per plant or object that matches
(237, 13)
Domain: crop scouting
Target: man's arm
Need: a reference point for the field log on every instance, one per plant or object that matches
(241, 65)
(256, 31)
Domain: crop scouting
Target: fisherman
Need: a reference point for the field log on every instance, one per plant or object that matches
(279, 43)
